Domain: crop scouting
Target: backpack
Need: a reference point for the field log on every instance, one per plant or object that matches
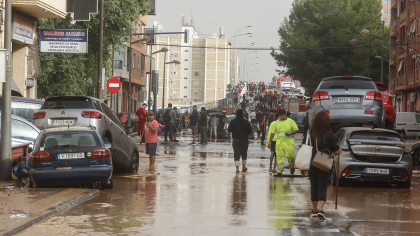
(167, 117)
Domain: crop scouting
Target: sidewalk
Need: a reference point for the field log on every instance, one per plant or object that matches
(22, 207)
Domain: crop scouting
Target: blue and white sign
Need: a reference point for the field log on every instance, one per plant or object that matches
(64, 41)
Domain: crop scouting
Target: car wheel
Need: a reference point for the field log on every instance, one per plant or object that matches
(416, 158)
(406, 184)
(134, 167)
(110, 185)
(255, 135)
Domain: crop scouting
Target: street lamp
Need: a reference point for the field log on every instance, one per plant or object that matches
(164, 49)
(366, 32)
(355, 42)
(164, 77)
(145, 39)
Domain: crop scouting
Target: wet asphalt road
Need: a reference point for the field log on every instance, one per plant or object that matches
(199, 193)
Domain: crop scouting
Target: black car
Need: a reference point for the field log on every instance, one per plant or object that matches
(68, 156)
(223, 125)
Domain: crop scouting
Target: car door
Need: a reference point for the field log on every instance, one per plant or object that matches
(120, 140)
(417, 125)
(411, 124)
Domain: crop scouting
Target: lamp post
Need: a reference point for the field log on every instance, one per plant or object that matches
(144, 39)
(164, 78)
(164, 49)
(366, 32)
(355, 42)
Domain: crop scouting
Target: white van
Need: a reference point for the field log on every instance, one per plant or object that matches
(407, 124)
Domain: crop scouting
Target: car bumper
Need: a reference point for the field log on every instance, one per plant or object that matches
(76, 175)
(358, 171)
(356, 116)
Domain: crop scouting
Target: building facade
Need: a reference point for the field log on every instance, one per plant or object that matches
(386, 12)
(404, 55)
(207, 65)
(26, 66)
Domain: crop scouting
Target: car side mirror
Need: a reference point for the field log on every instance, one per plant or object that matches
(30, 149)
(130, 130)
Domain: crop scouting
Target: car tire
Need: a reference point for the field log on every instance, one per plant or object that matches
(333, 180)
(406, 184)
(416, 157)
(134, 167)
(110, 185)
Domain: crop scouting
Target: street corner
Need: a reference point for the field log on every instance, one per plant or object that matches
(22, 207)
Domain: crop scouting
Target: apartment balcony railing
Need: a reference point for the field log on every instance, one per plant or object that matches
(393, 27)
(401, 80)
(402, 16)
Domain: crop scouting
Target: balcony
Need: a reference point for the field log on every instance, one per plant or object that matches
(400, 83)
(391, 85)
(392, 59)
(402, 17)
(41, 8)
(393, 27)
(410, 80)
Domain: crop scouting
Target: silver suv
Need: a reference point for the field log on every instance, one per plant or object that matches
(88, 111)
(350, 101)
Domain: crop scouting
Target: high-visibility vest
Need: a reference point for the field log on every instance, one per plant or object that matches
(270, 130)
(282, 128)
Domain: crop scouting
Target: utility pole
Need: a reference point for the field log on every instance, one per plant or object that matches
(382, 55)
(6, 102)
(131, 63)
(101, 39)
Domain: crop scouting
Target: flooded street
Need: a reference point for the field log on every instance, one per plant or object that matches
(198, 193)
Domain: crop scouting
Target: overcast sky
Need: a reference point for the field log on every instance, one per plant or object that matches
(264, 16)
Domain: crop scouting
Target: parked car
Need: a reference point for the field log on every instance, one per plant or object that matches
(70, 155)
(415, 154)
(374, 155)
(84, 111)
(24, 134)
(134, 119)
(24, 107)
(350, 101)
(407, 124)
(388, 105)
(298, 118)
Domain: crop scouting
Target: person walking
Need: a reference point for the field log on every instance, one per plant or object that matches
(142, 115)
(150, 137)
(214, 121)
(263, 129)
(322, 139)
(169, 118)
(273, 156)
(176, 124)
(193, 123)
(240, 129)
(285, 129)
(203, 126)
(186, 120)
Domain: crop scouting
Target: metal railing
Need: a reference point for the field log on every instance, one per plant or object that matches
(402, 16)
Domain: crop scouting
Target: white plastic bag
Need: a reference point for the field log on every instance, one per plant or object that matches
(303, 158)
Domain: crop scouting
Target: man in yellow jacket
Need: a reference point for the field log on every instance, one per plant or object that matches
(284, 130)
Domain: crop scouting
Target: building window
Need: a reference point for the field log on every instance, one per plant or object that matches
(386, 20)
(176, 65)
(186, 50)
(185, 96)
(185, 87)
(196, 73)
(186, 60)
(175, 82)
(143, 62)
(204, 55)
(176, 54)
(202, 91)
(385, 1)
(195, 100)
(185, 78)
(385, 11)
(195, 91)
(196, 82)
(197, 55)
(185, 68)
(196, 64)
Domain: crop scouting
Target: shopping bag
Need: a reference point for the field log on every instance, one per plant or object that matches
(303, 158)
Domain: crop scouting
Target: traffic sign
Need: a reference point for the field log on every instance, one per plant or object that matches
(113, 85)
(224, 110)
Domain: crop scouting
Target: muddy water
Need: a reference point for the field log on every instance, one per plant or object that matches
(199, 193)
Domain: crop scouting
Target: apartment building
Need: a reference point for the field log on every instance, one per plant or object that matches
(404, 55)
(26, 66)
(207, 66)
(386, 12)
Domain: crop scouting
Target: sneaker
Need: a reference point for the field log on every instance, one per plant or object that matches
(166, 141)
(175, 141)
(193, 144)
(292, 171)
(321, 215)
(314, 214)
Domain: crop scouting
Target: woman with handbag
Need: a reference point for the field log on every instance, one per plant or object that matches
(324, 144)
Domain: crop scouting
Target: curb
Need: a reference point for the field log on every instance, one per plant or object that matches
(64, 206)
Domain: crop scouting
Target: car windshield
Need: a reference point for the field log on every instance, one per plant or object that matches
(68, 103)
(347, 84)
(70, 139)
(385, 136)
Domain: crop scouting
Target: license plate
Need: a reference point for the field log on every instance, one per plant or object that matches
(63, 122)
(62, 156)
(347, 99)
(377, 171)
(63, 168)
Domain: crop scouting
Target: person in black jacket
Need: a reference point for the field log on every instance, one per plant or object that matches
(240, 129)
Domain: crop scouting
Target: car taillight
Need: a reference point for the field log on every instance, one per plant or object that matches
(405, 175)
(41, 156)
(91, 114)
(38, 115)
(345, 172)
(368, 112)
(100, 153)
(373, 96)
(347, 77)
(327, 111)
(320, 96)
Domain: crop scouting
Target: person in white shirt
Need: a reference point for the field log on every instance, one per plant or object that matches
(214, 121)
(253, 117)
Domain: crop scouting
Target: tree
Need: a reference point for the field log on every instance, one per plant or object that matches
(75, 74)
(314, 40)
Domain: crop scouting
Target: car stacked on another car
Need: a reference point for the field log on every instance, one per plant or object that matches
(70, 155)
(350, 101)
(374, 155)
(85, 111)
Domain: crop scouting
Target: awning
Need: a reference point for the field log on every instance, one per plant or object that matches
(14, 87)
(399, 68)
